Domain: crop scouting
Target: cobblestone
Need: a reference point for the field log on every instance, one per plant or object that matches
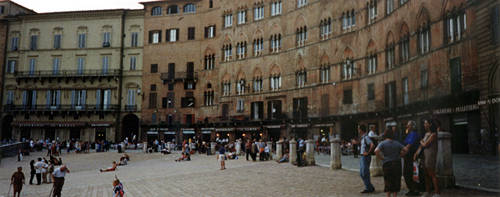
(158, 175)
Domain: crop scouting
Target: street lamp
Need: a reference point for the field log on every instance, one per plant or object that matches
(157, 124)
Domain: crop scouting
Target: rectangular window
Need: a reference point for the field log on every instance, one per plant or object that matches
(82, 37)
(152, 87)
(456, 75)
(2, 9)
(170, 100)
(372, 11)
(187, 102)
(274, 109)
(241, 49)
(242, 17)
(405, 89)
(389, 6)
(300, 108)
(209, 62)
(135, 39)
(164, 102)
(191, 33)
(209, 98)
(228, 52)
(156, 11)
(106, 41)
(53, 99)
(131, 97)
(257, 110)
(390, 95)
(240, 106)
(258, 12)
(301, 36)
(301, 3)
(80, 62)
(14, 45)
(133, 62)
(325, 28)
(371, 92)
(228, 20)
(154, 68)
(11, 66)
(210, 31)
(56, 65)
(10, 97)
(424, 79)
(57, 41)
(152, 100)
(347, 97)
(172, 35)
(276, 8)
(34, 42)
(32, 66)
(105, 64)
(154, 37)
(78, 99)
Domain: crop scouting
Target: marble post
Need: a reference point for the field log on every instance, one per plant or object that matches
(212, 147)
(279, 150)
(270, 145)
(293, 151)
(145, 147)
(335, 154)
(238, 147)
(444, 164)
(376, 164)
(310, 152)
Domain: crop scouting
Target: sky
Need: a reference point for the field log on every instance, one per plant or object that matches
(72, 5)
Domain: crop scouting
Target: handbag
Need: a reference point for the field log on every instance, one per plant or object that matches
(416, 172)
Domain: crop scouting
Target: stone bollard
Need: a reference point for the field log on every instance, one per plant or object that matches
(238, 147)
(270, 145)
(335, 154)
(444, 164)
(376, 164)
(310, 152)
(279, 150)
(145, 147)
(169, 148)
(212, 147)
(293, 151)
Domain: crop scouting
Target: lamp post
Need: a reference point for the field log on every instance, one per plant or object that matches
(157, 124)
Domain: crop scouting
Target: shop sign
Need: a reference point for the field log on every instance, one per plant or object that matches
(248, 128)
(325, 125)
(100, 125)
(187, 130)
(300, 125)
(224, 129)
(169, 132)
(459, 109)
(274, 126)
(150, 132)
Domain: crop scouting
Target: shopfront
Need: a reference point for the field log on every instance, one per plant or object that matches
(274, 132)
(206, 134)
(188, 133)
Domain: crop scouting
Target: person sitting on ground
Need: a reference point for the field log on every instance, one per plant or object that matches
(123, 161)
(118, 189)
(113, 168)
(284, 158)
(165, 151)
(184, 157)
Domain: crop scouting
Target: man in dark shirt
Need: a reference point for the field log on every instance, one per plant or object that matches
(17, 180)
(411, 143)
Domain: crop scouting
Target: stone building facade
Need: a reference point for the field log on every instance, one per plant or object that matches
(317, 68)
(74, 75)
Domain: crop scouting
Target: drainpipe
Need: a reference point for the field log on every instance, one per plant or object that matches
(118, 131)
(3, 66)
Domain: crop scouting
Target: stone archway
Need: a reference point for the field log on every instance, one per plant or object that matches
(130, 126)
(7, 127)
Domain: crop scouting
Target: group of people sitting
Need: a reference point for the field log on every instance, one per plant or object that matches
(123, 161)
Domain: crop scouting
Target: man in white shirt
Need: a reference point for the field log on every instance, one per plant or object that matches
(372, 133)
(58, 176)
(39, 165)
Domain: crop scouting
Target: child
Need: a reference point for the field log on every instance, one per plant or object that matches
(118, 188)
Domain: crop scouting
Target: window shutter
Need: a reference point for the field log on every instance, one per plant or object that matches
(58, 98)
(159, 36)
(84, 97)
(33, 99)
(177, 35)
(48, 98)
(98, 98)
(73, 98)
(214, 30)
(150, 37)
(167, 35)
(206, 32)
(25, 98)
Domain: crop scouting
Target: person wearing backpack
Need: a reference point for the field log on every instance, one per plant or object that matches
(366, 150)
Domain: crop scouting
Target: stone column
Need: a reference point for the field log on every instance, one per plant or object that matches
(145, 147)
(279, 150)
(335, 154)
(444, 164)
(293, 151)
(270, 145)
(212, 147)
(310, 152)
(376, 164)
(238, 147)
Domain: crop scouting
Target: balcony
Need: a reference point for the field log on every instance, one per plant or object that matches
(67, 75)
(130, 108)
(61, 108)
(179, 76)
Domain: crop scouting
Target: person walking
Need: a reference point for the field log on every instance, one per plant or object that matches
(300, 152)
(367, 146)
(17, 181)
(254, 151)
(222, 157)
(430, 148)
(411, 142)
(58, 176)
(248, 146)
(390, 152)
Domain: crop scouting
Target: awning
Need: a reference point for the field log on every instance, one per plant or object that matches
(224, 129)
(48, 124)
(274, 126)
(324, 125)
(300, 125)
(169, 132)
(152, 132)
(101, 124)
(207, 130)
(187, 131)
(248, 128)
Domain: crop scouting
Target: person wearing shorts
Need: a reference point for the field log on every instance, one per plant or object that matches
(222, 157)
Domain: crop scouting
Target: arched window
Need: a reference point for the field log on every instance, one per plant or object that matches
(173, 9)
(156, 11)
(189, 8)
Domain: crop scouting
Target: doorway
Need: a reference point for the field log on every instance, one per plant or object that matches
(348, 130)
(74, 134)
(50, 133)
(7, 127)
(25, 133)
(100, 134)
(130, 127)
(460, 138)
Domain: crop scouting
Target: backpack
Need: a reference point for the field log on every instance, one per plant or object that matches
(367, 146)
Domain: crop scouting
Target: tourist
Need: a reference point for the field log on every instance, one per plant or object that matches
(39, 166)
(248, 146)
(17, 181)
(184, 157)
(118, 189)
(430, 148)
(411, 142)
(367, 146)
(372, 132)
(222, 157)
(300, 152)
(390, 152)
(113, 168)
(32, 171)
(50, 170)
(266, 152)
(58, 176)
(254, 151)
(44, 170)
